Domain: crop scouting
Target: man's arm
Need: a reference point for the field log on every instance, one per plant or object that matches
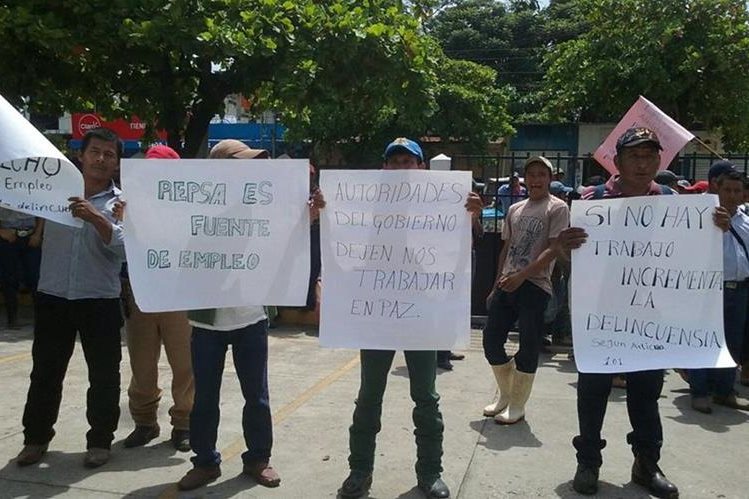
(81, 208)
(567, 240)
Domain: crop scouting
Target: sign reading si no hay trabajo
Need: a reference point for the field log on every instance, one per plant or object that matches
(216, 233)
(647, 286)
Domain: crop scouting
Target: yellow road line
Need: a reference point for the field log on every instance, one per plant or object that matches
(13, 358)
(236, 447)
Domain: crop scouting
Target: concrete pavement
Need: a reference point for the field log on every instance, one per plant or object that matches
(312, 395)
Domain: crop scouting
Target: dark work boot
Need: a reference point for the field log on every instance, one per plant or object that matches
(356, 485)
(436, 489)
(586, 480)
(645, 472)
(141, 435)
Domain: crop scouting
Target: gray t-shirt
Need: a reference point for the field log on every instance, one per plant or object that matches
(527, 229)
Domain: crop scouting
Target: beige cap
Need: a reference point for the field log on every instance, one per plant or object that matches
(234, 149)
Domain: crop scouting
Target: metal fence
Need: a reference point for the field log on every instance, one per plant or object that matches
(490, 172)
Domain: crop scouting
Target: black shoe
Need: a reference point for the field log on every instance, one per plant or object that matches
(586, 480)
(356, 485)
(445, 364)
(437, 489)
(646, 472)
(181, 440)
(457, 356)
(141, 435)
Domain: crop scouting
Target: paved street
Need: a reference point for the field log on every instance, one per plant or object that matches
(312, 394)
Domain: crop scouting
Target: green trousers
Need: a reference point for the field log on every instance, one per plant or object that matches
(422, 372)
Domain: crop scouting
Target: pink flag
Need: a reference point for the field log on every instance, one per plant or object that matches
(644, 113)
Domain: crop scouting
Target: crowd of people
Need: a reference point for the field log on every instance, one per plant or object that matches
(81, 289)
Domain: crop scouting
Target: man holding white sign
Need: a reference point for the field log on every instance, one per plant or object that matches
(728, 184)
(245, 329)
(401, 154)
(637, 158)
(79, 293)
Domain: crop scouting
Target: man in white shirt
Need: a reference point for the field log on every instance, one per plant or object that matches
(728, 184)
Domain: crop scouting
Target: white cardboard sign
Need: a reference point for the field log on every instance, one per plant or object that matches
(35, 177)
(216, 233)
(396, 260)
(647, 286)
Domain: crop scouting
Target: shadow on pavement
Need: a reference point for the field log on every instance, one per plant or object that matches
(719, 421)
(605, 489)
(503, 437)
(63, 469)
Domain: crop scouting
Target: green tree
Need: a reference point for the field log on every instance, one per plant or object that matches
(342, 71)
(466, 96)
(684, 55)
(510, 37)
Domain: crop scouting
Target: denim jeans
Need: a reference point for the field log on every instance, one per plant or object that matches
(98, 321)
(526, 305)
(720, 381)
(422, 368)
(249, 347)
(643, 390)
(19, 262)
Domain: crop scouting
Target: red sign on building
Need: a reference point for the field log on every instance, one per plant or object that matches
(126, 130)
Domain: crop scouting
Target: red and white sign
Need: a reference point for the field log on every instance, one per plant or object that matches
(125, 130)
(643, 113)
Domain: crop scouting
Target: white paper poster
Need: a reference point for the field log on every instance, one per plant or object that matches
(647, 286)
(35, 177)
(203, 233)
(396, 260)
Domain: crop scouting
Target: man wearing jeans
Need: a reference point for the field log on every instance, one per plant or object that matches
(20, 257)
(728, 184)
(638, 159)
(401, 154)
(79, 293)
(522, 290)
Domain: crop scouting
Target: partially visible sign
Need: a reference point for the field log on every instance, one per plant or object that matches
(125, 130)
(643, 113)
(35, 177)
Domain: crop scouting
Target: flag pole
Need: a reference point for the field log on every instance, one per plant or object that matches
(708, 147)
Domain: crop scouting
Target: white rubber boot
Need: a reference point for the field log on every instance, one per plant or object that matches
(519, 395)
(503, 374)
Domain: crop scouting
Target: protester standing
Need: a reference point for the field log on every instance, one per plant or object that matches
(20, 257)
(78, 293)
(401, 154)
(522, 289)
(638, 159)
(146, 332)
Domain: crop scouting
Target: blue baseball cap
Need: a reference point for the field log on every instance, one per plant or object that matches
(557, 187)
(404, 145)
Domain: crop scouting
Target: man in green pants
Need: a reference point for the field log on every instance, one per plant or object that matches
(401, 154)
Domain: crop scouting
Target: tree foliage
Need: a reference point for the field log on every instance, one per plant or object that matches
(340, 70)
(687, 56)
(467, 95)
(510, 37)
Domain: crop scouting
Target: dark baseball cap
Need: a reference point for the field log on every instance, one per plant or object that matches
(666, 177)
(636, 136)
(719, 168)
